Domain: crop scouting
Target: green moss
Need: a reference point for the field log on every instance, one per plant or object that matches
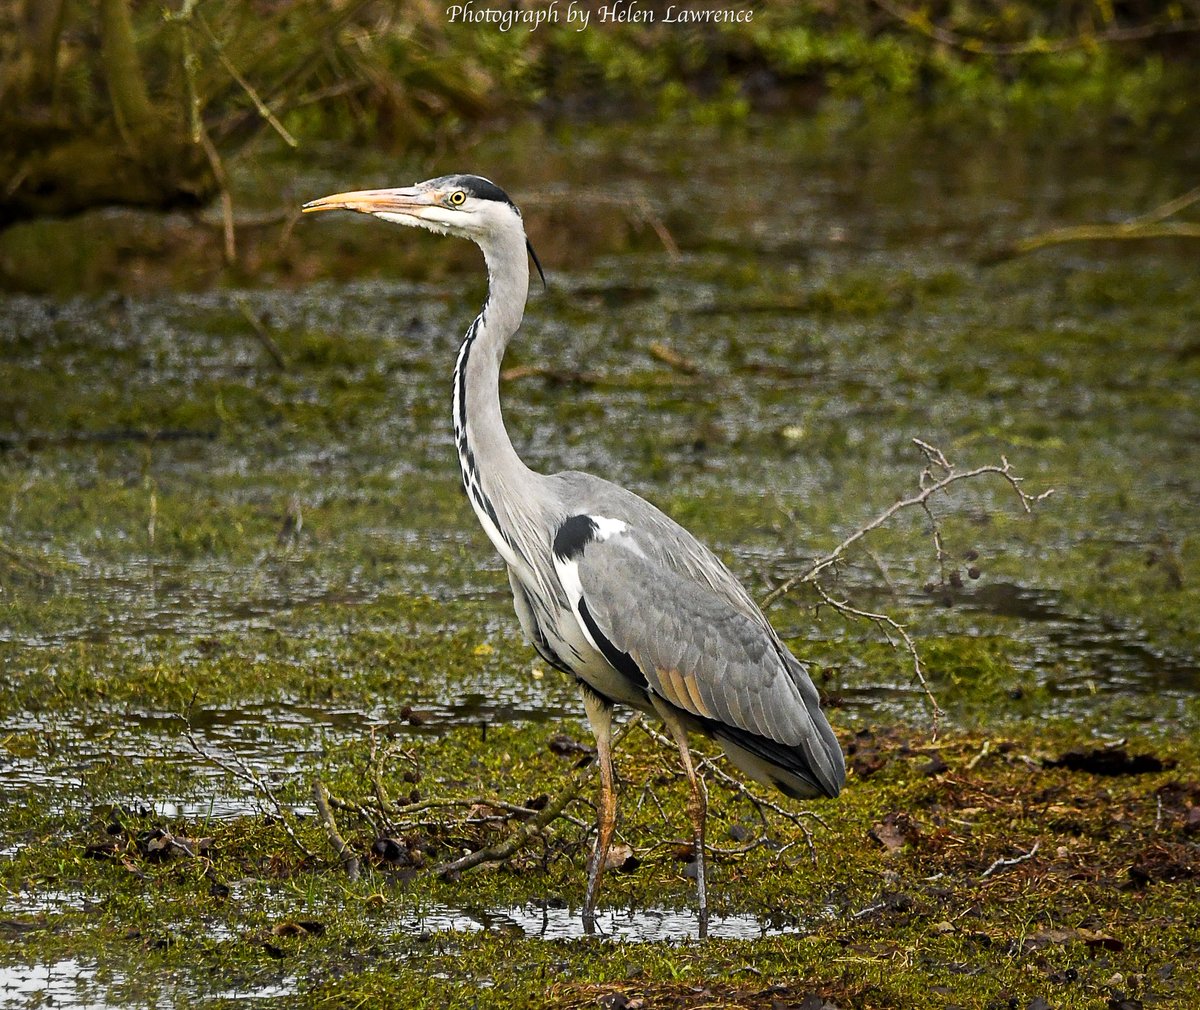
(1063, 922)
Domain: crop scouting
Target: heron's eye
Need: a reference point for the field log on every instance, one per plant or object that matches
(458, 198)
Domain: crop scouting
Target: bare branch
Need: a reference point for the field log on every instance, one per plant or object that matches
(928, 490)
(889, 624)
(236, 767)
(1099, 233)
(245, 85)
(339, 844)
(528, 829)
(1152, 224)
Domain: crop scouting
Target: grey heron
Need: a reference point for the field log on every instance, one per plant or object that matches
(607, 588)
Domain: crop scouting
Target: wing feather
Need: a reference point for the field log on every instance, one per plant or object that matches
(702, 649)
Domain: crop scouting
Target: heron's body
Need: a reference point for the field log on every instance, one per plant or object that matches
(606, 587)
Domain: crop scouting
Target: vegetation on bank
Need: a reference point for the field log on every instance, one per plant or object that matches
(141, 104)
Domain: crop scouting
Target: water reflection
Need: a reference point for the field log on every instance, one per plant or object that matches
(553, 921)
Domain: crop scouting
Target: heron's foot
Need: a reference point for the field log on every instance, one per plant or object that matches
(701, 888)
(595, 871)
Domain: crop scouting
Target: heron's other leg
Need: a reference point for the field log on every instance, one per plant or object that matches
(697, 804)
(599, 713)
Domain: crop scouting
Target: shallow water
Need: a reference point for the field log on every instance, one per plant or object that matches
(829, 313)
(641, 925)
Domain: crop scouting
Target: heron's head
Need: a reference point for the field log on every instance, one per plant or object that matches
(468, 206)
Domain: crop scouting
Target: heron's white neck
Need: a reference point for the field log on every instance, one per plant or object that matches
(493, 474)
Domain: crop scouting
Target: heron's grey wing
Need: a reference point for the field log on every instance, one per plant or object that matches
(695, 645)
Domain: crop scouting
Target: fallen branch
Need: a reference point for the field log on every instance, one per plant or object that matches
(528, 829)
(952, 476)
(937, 475)
(1152, 224)
(236, 767)
(340, 847)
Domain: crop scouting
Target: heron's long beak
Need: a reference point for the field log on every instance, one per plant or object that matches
(375, 201)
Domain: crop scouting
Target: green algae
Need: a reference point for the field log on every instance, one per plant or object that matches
(299, 570)
(876, 924)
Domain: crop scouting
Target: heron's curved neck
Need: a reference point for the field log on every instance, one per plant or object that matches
(493, 474)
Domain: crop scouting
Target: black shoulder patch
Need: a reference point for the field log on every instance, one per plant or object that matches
(575, 533)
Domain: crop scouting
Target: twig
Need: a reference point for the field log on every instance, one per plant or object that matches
(1005, 863)
(884, 621)
(672, 358)
(647, 790)
(238, 768)
(1167, 209)
(1099, 233)
(928, 490)
(377, 760)
(758, 802)
(219, 173)
(559, 375)
(1152, 224)
(882, 568)
(528, 829)
(984, 751)
(937, 475)
(264, 337)
(343, 850)
(650, 216)
(233, 72)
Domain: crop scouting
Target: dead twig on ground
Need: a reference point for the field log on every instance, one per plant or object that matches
(531, 828)
(264, 337)
(707, 766)
(233, 765)
(340, 847)
(1152, 224)
(1005, 863)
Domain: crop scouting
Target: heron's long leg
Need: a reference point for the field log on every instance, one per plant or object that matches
(599, 713)
(697, 805)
